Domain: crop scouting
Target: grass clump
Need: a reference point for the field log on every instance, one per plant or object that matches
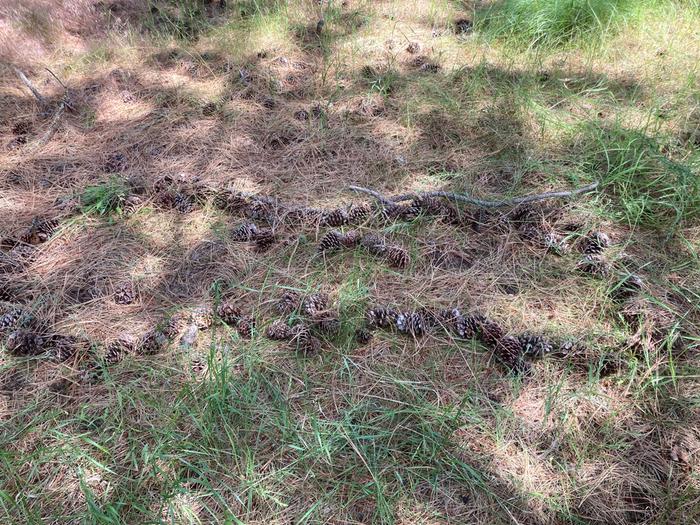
(557, 23)
(649, 187)
(104, 198)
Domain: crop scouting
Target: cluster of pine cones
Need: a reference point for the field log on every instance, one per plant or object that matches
(25, 336)
(307, 318)
(512, 352)
(16, 252)
(395, 255)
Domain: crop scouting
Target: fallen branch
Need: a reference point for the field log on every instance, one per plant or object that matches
(29, 85)
(53, 127)
(459, 197)
(381, 198)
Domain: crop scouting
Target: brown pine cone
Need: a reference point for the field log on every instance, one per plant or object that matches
(490, 332)
(359, 213)
(397, 257)
(289, 302)
(202, 317)
(509, 352)
(334, 218)
(125, 293)
(245, 232)
(373, 244)
(351, 239)
(412, 323)
(228, 312)
(303, 342)
(246, 325)
(278, 331)
(328, 324)
(332, 240)
(24, 343)
(152, 342)
(314, 304)
(117, 350)
(380, 317)
(363, 336)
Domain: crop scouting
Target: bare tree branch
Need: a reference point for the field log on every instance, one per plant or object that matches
(29, 85)
(381, 198)
(459, 197)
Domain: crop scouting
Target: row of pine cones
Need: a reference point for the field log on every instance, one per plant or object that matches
(395, 255)
(511, 351)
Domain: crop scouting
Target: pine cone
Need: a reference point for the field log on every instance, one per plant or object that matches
(328, 324)
(595, 243)
(202, 317)
(397, 257)
(228, 312)
(131, 204)
(183, 203)
(303, 342)
(314, 304)
(175, 325)
(412, 323)
(448, 318)
(380, 317)
(569, 349)
(289, 302)
(468, 326)
(60, 348)
(24, 343)
(333, 240)
(363, 336)
(40, 230)
(490, 332)
(246, 325)
(594, 265)
(278, 331)
(413, 48)
(429, 205)
(334, 218)
(264, 239)
(245, 232)
(10, 318)
(359, 213)
(230, 201)
(351, 239)
(373, 244)
(117, 349)
(152, 342)
(509, 352)
(535, 345)
(124, 293)
(628, 286)
(400, 212)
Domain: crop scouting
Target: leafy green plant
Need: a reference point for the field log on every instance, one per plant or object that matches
(104, 198)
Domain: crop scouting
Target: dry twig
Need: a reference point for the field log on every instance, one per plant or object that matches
(459, 197)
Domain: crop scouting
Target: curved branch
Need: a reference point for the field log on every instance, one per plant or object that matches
(381, 198)
(459, 197)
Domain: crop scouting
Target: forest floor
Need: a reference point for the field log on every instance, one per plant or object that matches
(202, 323)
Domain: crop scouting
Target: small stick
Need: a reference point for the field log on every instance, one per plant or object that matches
(30, 86)
(53, 127)
(478, 202)
(381, 198)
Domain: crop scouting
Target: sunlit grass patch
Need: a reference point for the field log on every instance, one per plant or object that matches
(556, 23)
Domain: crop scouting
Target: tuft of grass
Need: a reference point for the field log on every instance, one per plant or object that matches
(648, 186)
(557, 23)
(104, 198)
